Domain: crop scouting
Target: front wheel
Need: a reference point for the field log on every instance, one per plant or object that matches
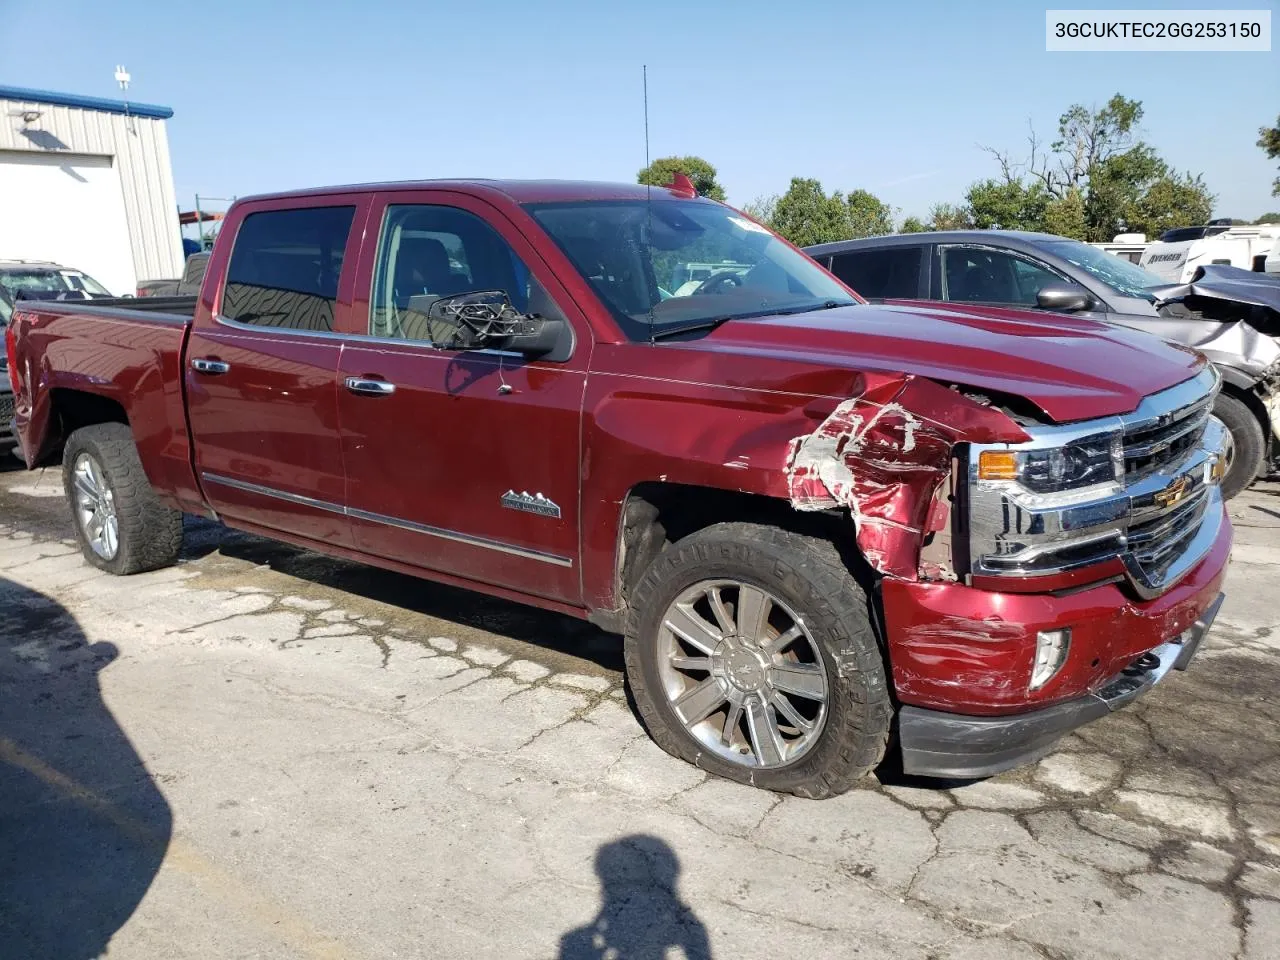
(1248, 444)
(750, 653)
(121, 525)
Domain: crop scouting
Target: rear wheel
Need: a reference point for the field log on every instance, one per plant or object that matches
(750, 653)
(121, 525)
(1248, 444)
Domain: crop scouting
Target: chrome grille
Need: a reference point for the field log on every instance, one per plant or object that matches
(1156, 543)
(1160, 518)
(6, 410)
(1159, 441)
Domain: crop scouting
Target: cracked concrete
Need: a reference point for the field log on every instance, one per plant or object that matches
(281, 755)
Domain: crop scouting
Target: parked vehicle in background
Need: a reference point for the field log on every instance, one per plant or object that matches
(1175, 257)
(1047, 273)
(8, 439)
(186, 286)
(813, 519)
(41, 280)
(1126, 246)
(1271, 265)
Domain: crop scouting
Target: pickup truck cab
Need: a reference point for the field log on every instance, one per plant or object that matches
(812, 519)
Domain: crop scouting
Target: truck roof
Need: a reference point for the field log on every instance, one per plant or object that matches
(520, 191)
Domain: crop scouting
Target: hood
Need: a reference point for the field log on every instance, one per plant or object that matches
(1217, 281)
(1071, 368)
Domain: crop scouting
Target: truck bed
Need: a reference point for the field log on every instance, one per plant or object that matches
(178, 310)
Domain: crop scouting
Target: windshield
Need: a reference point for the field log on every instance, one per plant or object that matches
(6, 308)
(1122, 276)
(681, 263)
(45, 284)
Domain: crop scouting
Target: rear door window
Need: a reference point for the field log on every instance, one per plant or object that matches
(881, 274)
(285, 267)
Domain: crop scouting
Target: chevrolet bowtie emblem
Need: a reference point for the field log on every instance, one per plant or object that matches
(1174, 492)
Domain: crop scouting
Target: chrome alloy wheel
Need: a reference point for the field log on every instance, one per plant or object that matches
(742, 673)
(96, 507)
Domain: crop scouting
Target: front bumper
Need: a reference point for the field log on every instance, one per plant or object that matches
(949, 745)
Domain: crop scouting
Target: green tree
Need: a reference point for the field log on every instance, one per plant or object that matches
(703, 174)
(1268, 218)
(1269, 141)
(761, 208)
(947, 216)
(869, 216)
(805, 214)
(1012, 205)
(1123, 184)
(1064, 216)
(913, 225)
(1172, 201)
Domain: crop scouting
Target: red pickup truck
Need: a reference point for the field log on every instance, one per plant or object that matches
(821, 526)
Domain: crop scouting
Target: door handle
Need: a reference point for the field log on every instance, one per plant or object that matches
(370, 388)
(212, 367)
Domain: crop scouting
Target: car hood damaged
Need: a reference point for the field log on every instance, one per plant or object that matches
(1245, 304)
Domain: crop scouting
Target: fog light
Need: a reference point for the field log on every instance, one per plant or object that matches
(1051, 654)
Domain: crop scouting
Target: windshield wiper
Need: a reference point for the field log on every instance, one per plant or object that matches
(708, 324)
(825, 305)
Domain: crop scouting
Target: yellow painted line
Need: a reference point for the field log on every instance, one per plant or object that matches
(273, 917)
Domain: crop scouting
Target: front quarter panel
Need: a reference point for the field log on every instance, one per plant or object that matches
(878, 445)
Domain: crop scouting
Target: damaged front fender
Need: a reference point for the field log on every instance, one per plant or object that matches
(885, 456)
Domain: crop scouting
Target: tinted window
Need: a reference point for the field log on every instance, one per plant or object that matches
(982, 275)
(427, 252)
(881, 274)
(285, 267)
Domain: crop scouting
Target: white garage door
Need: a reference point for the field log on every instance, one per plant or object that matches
(68, 209)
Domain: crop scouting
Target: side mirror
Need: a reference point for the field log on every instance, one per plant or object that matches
(486, 318)
(1064, 297)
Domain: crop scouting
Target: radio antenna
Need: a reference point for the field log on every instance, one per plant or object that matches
(648, 186)
(645, 75)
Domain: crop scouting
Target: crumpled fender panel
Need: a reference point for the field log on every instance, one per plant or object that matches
(884, 456)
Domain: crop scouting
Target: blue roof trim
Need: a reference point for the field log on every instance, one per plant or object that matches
(86, 103)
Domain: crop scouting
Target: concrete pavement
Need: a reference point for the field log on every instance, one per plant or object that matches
(265, 753)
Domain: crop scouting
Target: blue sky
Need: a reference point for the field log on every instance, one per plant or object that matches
(893, 97)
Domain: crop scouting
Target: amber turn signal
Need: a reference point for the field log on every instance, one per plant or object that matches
(997, 465)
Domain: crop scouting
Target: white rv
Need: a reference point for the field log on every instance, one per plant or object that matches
(1126, 246)
(1175, 258)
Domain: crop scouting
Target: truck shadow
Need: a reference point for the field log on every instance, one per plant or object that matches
(542, 628)
(83, 826)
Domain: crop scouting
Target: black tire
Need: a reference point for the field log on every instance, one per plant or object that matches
(1248, 439)
(150, 533)
(809, 576)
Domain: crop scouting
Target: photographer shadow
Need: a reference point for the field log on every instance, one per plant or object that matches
(83, 827)
(641, 914)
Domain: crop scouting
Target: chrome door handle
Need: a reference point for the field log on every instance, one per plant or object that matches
(201, 365)
(370, 388)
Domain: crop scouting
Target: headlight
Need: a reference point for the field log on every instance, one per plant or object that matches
(1084, 462)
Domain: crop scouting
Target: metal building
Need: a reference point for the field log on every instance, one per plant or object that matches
(87, 183)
